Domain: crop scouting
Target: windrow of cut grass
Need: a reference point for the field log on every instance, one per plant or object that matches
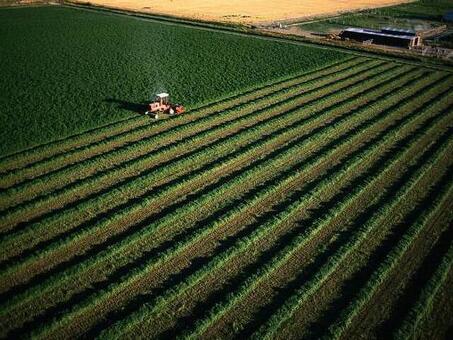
(400, 289)
(50, 166)
(44, 152)
(161, 314)
(133, 169)
(381, 274)
(261, 285)
(139, 244)
(309, 287)
(423, 306)
(58, 228)
(178, 168)
(334, 296)
(88, 311)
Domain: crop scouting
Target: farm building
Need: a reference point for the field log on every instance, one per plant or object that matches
(385, 36)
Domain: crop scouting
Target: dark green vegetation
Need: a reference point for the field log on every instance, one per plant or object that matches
(65, 71)
(317, 206)
(418, 15)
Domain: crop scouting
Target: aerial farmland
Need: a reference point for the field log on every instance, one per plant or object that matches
(163, 178)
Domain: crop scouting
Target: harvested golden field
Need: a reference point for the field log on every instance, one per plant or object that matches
(251, 11)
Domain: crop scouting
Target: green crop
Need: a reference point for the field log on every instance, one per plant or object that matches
(66, 70)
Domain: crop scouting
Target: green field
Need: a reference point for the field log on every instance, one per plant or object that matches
(65, 71)
(418, 15)
(315, 205)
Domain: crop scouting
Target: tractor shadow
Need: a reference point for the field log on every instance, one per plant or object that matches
(128, 106)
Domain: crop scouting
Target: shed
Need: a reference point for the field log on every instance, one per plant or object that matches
(383, 37)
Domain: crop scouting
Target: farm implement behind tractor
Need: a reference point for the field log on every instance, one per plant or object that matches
(162, 105)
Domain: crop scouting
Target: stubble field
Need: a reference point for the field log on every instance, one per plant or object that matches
(252, 11)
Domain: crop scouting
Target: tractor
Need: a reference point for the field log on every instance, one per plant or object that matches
(161, 104)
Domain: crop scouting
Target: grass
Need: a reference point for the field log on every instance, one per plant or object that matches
(418, 15)
(65, 71)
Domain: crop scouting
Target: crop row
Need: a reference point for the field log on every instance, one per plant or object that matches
(423, 306)
(139, 240)
(362, 262)
(135, 168)
(380, 274)
(311, 285)
(75, 142)
(47, 230)
(400, 288)
(250, 286)
(145, 132)
(263, 117)
(213, 268)
(132, 290)
(308, 130)
(332, 283)
(46, 151)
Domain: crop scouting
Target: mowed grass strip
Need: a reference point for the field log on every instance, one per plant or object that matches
(423, 306)
(391, 261)
(71, 143)
(47, 230)
(241, 305)
(396, 281)
(307, 289)
(100, 182)
(63, 161)
(46, 151)
(334, 295)
(169, 225)
(140, 279)
(181, 221)
(141, 165)
(162, 314)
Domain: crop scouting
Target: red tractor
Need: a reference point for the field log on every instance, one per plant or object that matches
(162, 105)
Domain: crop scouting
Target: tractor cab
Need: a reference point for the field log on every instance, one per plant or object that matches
(162, 98)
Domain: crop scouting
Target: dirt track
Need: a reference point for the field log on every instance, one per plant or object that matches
(250, 11)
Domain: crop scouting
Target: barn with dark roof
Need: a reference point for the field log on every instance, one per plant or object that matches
(386, 36)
